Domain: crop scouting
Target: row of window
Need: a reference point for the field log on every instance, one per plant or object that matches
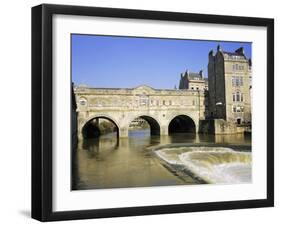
(237, 97)
(197, 88)
(145, 102)
(237, 109)
(157, 102)
(237, 81)
(237, 67)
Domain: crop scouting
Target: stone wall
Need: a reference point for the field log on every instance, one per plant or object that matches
(219, 126)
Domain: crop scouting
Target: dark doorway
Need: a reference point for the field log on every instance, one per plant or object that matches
(239, 121)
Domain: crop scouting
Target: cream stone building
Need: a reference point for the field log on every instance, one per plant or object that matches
(193, 81)
(229, 77)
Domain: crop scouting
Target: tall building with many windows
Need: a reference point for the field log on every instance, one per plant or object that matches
(229, 78)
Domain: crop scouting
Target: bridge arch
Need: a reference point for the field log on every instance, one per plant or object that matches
(182, 124)
(91, 128)
(153, 123)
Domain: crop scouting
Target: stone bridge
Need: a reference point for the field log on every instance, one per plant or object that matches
(165, 110)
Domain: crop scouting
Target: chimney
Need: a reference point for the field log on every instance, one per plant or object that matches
(187, 72)
(201, 73)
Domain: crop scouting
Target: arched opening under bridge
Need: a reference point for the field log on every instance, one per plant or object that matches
(145, 123)
(98, 126)
(182, 124)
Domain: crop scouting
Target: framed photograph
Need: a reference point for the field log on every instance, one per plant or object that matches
(145, 112)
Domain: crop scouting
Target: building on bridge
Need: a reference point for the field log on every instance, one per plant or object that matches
(229, 76)
(193, 81)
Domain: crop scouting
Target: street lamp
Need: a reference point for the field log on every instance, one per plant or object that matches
(220, 111)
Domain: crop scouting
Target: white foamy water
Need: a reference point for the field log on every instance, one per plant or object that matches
(217, 165)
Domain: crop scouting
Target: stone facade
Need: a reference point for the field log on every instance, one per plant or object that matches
(122, 106)
(219, 126)
(229, 76)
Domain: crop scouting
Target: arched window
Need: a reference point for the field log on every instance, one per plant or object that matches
(233, 97)
(237, 96)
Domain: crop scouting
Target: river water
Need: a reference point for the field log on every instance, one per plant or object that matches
(143, 160)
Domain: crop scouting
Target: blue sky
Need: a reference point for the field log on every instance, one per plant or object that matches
(124, 62)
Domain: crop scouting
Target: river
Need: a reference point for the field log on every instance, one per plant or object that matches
(141, 160)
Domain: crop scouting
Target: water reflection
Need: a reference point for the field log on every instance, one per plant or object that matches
(108, 162)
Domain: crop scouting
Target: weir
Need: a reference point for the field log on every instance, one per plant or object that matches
(218, 165)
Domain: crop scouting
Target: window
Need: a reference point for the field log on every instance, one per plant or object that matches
(233, 97)
(143, 99)
(237, 81)
(151, 102)
(170, 102)
(235, 67)
(234, 108)
(233, 81)
(237, 96)
(163, 102)
(83, 101)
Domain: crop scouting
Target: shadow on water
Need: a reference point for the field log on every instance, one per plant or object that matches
(109, 162)
(96, 147)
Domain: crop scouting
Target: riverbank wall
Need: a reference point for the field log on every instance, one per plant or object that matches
(219, 126)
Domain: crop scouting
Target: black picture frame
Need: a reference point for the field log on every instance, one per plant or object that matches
(42, 111)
